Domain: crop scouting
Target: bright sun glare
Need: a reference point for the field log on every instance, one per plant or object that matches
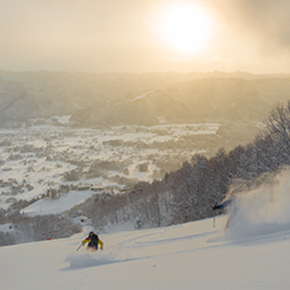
(186, 28)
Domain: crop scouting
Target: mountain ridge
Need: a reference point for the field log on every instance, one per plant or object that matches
(192, 97)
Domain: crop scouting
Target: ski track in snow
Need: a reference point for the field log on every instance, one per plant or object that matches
(129, 249)
(146, 244)
(122, 251)
(173, 240)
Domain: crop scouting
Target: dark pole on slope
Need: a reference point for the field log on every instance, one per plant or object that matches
(78, 247)
(213, 218)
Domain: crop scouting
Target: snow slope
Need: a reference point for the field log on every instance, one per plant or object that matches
(54, 206)
(189, 256)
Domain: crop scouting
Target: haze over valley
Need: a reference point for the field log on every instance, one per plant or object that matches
(113, 99)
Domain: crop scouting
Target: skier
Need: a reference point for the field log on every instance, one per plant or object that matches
(93, 241)
(224, 204)
(230, 205)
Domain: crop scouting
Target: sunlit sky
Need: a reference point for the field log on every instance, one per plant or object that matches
(145, 35)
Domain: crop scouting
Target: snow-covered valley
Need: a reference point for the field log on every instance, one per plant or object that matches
(47, 161)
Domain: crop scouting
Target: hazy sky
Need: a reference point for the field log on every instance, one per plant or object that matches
(145, 35)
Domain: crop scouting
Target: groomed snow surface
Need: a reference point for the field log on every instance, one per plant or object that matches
(190, 256)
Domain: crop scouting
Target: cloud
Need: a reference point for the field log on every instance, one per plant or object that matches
(266, 20)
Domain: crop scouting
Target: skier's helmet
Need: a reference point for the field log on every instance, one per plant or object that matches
(91, 233)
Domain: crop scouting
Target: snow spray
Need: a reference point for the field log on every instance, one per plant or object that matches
(265, 210)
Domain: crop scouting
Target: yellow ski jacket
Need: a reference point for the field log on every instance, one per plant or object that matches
(88, 239)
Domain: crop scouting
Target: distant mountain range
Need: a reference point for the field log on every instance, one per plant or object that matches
(110, 99)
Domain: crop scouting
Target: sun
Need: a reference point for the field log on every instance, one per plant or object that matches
(186, 27)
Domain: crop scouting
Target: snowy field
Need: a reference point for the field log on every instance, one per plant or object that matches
(48, 206)
(190, 256)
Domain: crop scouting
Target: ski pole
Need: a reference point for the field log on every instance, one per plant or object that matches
(213, 218)
(78, 247)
